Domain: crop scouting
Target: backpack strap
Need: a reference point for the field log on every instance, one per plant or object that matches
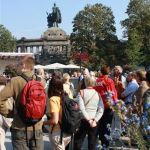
(61, 136)
(82, 95)
(27, 140)
(25, 77)
(26, 136)
(37, 78)
(72, 141)
(90, 98)
(34, 135)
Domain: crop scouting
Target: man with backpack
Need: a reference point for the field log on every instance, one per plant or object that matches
(26, 129)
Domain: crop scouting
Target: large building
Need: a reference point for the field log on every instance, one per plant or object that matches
(53, 46)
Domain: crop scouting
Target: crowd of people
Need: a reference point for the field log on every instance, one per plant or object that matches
(95, 92)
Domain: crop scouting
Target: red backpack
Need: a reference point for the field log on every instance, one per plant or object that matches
(32, 104)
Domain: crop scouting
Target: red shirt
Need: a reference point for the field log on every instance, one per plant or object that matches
(103, 85)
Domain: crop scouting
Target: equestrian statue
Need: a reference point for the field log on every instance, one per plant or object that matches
(54, 18)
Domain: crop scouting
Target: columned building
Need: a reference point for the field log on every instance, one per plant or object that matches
(53, 46)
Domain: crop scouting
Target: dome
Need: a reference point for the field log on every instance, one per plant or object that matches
(54, 33)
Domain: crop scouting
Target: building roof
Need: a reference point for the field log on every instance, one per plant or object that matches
(13, 54)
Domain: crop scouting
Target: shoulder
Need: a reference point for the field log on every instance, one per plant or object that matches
(66, 86)
(16, 79)
(99, 80)
(54, 104)
(89, 91)
(55, 99)
(147, 93)
(144, 84)
(110, 79)
(134, 84)
(146, 96)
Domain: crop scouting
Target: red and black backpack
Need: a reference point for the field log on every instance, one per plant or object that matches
(32, 104)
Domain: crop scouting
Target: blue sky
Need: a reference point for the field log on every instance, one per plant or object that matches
(27, 18)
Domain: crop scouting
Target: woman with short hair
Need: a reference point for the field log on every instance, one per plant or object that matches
(138, 95)
(92, 109)
(68, 86)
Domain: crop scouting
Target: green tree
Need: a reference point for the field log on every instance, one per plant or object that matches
(133, 50)
(120, 52)
(7, 41)
(91, 25)
(137, 29)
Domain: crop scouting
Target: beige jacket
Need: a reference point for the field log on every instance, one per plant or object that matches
(14, 89)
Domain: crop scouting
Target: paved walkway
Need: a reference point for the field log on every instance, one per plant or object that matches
(46, 142)
(9, 145)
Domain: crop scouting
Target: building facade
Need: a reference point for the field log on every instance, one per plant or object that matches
(52, 47)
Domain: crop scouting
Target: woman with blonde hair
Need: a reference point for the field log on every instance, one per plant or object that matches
(68, 86)
(119, 80)
(40, 73)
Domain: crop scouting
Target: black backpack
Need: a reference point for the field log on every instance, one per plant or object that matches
(71, 116)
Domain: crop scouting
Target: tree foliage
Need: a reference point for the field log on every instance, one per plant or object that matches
(91, 25)
(137, 29)
(7, 41)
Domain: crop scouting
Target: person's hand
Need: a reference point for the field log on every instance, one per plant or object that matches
(92, 123)
(116, 80)
(3, 109)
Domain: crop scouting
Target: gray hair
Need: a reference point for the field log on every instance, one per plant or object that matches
(89, 81)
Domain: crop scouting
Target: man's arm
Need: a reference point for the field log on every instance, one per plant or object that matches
(7, 92)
